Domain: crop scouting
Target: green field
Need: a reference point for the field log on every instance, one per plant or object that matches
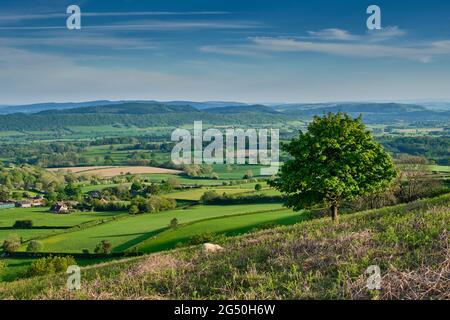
(128, 232)
(230, 226)
(442, 169)
(195, 194)
(42, 218)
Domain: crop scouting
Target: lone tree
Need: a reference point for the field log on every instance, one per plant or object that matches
(336, 160)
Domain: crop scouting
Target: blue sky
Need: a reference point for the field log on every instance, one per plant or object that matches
(250, 51)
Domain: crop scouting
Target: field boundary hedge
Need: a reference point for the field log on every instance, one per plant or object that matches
(83, 226)
(75, 255)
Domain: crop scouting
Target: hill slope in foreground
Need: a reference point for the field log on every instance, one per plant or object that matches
(310, 260)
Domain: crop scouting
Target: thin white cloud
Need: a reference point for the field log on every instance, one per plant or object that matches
(155, 25)
(333, 34)
(22, 17)
(80, 40)
(177, 25)
(243, 51)
(423, 53)
(377, 44)
(385, 34)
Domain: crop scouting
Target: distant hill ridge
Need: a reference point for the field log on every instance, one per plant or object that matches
(147, 114)
(125, 108)
(351, 108)
(38, 107)
(243, 109)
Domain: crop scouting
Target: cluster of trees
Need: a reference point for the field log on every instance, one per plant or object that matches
(151, 204)
(66, 192)
(104, 247)
(44, 154)
(11, 243)
(432, 148)
(56, 186)
(165, 186)
(102, 206)
(202, 171)
(49, 265)
(28, 177)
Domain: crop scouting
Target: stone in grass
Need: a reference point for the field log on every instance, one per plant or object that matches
(210, 247)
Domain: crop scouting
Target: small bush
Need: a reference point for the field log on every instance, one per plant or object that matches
(23, 224)
(3, 266)
(205, 237)
(248, 175)
(12, 243)
(209, 196)
(49, 265)
(104, 247)
(34, 246)
(174, 223)
(133, 210)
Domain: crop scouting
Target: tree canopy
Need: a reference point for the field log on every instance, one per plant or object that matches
(337, 159)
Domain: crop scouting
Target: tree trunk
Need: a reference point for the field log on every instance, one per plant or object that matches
(334, 213)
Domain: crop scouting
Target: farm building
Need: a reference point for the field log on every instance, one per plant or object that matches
(37, 201)
(24, 204)
(7, 205)
(60, 208)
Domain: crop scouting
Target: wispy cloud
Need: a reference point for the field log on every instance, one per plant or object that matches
(43, 16)
(335, 34)
(424, 53)
(243, 51)
(332, 34)
(387, 33)
(340, 42)
(158, 25)
(78, 40)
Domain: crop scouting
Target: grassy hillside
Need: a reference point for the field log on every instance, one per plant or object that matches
(310, 260)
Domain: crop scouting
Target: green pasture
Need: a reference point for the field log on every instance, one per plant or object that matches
(229, 226)
(127, 232)
(196, 194)
(42, 218)
(442, 169)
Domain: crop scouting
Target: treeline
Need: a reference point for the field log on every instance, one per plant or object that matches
(50, 122)
(212, 197)
(433, 148)
(42, 154)
(32, 178)
(415, 182)
(68, 154)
